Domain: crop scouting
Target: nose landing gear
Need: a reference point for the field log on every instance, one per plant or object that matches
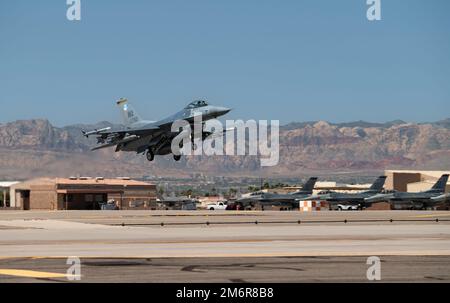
(150, 155)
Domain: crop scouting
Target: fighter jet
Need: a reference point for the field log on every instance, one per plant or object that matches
(333, 197)
(152, 137)
(417, 200)
(290, 200)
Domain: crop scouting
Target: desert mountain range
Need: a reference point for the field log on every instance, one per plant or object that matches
(32, 148)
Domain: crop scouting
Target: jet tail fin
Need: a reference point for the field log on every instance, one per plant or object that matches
(378, 184)
(309, 185)
(441, 183)
(128, 113)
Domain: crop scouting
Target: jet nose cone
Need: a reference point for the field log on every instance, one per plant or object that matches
(220, 111)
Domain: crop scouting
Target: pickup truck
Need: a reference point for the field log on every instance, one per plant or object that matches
(348, 207)
(217, 206)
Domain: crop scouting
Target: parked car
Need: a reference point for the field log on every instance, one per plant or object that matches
(217, 206)
(348, 207)
(110, 205)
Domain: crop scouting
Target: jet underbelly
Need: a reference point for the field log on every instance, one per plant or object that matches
(137, 144)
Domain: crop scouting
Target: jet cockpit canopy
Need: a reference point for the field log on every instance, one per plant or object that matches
(197, 104)
(324, 192)
(257, 193)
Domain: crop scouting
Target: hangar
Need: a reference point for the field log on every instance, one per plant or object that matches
(82, 193)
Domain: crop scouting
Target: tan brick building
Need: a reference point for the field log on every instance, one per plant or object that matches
(412, 180)
(82, 193)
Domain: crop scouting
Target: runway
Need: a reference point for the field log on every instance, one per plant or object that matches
(189, 217)
(263, 245)
(234, 270)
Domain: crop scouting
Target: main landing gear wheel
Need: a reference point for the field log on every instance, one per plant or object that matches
(150, 155)
(177, 157)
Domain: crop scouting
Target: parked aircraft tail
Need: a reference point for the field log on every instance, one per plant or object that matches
(378, 184)
(441, 183)
(128, 113)
(309, 185)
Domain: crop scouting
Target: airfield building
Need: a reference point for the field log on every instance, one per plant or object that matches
(82, 194)
(413, 180)
(4, 191)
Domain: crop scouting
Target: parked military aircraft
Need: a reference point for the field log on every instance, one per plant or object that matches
(333, 197)
(152, 137)
(417, 200)
(290, 200)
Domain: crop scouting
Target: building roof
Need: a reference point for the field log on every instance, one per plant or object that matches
(211, 198)
(429, 183)
(89, 181)
(27, 184)
(7, 184)
(80, 181)
(426, 173)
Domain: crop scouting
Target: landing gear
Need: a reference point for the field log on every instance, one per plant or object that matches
(150, 155)
(177, 157)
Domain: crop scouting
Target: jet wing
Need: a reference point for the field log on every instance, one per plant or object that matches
(108, 138)
(138, 131)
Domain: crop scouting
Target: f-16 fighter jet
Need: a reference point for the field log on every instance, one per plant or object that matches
(333, 197)
(418, 200)
(152, 137)
(290, 200)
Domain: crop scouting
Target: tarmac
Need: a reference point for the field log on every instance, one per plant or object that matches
(224, 246)
(427, 269)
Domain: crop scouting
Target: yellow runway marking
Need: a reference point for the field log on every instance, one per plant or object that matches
(31, 273)
(431, 216)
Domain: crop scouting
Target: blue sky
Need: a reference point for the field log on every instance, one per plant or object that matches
(288, 60)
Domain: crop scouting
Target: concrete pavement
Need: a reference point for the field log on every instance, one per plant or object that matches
(322, 244)
(231, 270)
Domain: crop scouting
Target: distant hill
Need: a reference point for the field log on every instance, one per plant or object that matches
(443, 123)
(359, 123)
(31, 148)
